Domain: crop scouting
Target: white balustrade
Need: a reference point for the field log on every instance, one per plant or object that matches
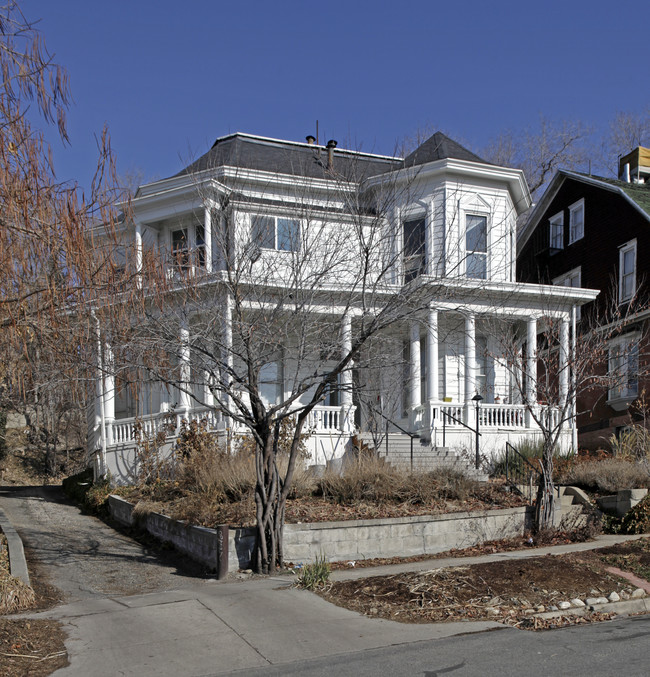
(324, 419)
(502, 415)
(455, 410)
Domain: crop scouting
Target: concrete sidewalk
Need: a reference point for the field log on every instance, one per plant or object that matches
(222, 627)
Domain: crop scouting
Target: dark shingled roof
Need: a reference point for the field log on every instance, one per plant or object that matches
(638, 192)
(286, 157)
(440, 147)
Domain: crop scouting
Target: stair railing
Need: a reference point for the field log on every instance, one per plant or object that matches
(389, 421)
(520, 472)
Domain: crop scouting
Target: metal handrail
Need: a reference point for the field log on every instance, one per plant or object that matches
(413, 436)
(520, 472)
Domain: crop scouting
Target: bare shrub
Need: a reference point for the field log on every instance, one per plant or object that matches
(372, 479)
(607, 475)
(153, 465)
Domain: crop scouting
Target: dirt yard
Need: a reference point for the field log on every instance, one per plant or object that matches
(509, 591)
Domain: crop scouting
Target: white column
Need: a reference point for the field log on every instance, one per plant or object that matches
(564, 361)
(531, 362)
(346, 347)
(207, 235)
(470, 358)
(138, 253)
(109, 392)
(184, 369)
(432, 356)
(208, 399)
(227, 357)
(415, 366)
(346, 375)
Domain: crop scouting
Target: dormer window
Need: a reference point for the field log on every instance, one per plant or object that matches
(476, 246)
(576, 221)
(275, 232)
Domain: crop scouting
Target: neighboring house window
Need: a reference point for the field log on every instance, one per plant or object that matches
(557, 231)
(624, 367)
(414, 247)
(476, 246)
(576, 221)
(275, 232)
(627, 271)
(570, 279)
(180, 248)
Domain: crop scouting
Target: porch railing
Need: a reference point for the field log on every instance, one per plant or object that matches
(502, 415)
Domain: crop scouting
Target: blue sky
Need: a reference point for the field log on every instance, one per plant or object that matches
(170, 77)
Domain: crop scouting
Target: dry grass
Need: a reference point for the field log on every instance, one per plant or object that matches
(606, 476)
(14, 594)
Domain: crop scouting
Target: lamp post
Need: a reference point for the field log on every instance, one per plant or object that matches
(477, 398)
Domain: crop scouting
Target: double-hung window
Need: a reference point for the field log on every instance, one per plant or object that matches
(576, 221)
(180, 249)
(570, 279)
(476, 246)
(627, 271)
(624, 369)
(557, 232)
(275, 232)
(414, 247)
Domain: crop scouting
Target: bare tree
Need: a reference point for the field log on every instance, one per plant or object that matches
(48, 264)
(541, 150)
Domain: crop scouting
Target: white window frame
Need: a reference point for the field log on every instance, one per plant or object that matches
(623, 295)
(414, 264)
(191, 257)
(574, 234)
(296, 245)
(568, 279)
(468, 253)
(623, 358)
(556, 231)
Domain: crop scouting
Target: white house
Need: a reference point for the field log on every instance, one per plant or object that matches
(264, 226)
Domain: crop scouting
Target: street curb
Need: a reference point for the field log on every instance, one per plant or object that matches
(17, 562)
(624, 607)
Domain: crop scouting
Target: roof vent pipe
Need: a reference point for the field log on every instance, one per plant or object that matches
(331, 145)
(626, 172)
(311, 140)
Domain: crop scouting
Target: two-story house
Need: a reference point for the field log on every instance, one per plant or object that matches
(590, 231)
(281, 229)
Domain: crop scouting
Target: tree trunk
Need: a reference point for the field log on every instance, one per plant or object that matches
(545, 494)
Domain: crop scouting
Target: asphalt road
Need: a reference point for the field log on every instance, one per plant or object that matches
(619, 647)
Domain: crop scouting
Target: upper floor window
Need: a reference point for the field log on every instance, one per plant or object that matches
(414, 247)
(627, 271)
(180, 248)
(275, 232)
(571, 279)
(557, 231)
(476, 246)
(576, 221)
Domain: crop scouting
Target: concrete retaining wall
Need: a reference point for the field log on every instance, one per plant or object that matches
(351, 540)
(401, 537)
(618, 504)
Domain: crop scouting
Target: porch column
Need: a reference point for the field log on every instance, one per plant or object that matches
(415, 371)
(138, 254)
(207, 237)
(531, 368)
(470, 357)
(470, 369)
(346, 374)
(184, 370)
(208, 398)
(109, 392)
(226, 352)
(432, 356)
(564, 361)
